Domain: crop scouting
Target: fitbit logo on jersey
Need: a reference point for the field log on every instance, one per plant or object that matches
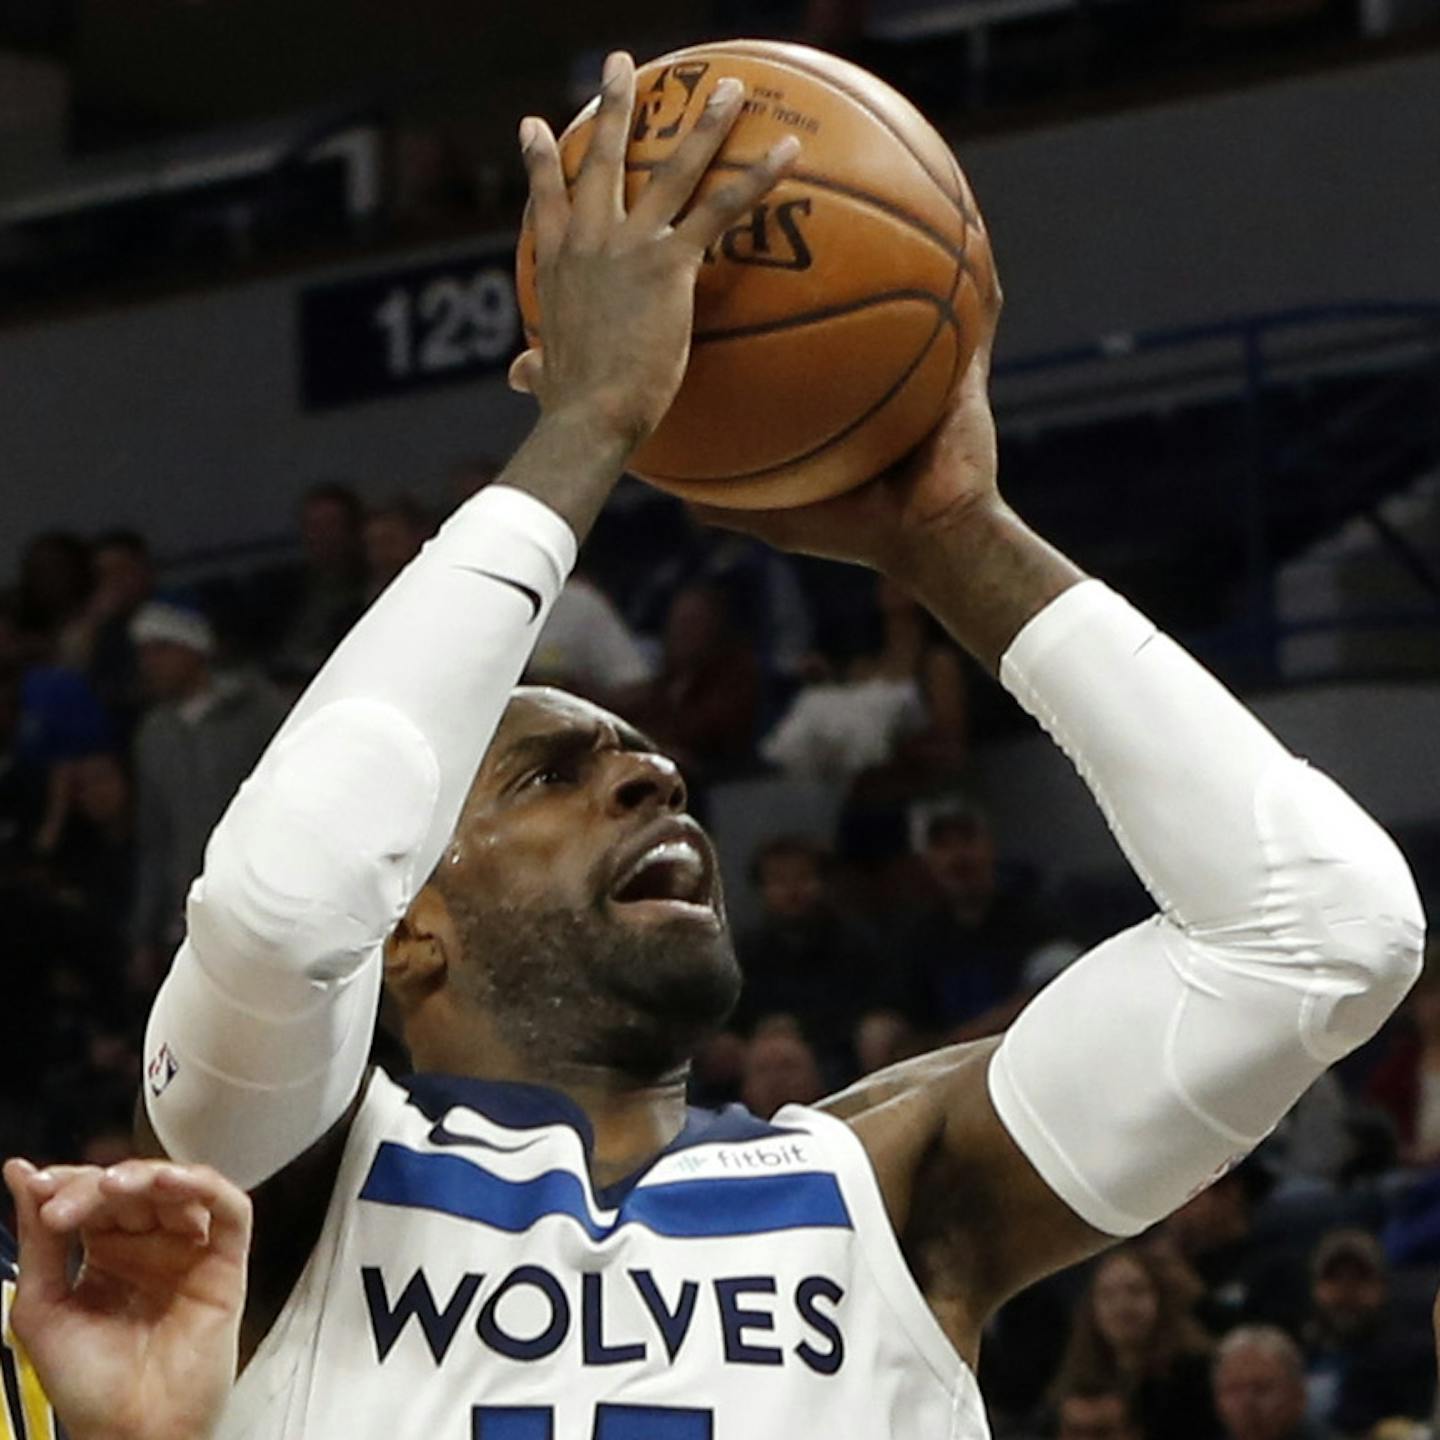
(531, 1314)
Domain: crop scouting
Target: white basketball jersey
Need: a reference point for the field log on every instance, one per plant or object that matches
(471, 1284)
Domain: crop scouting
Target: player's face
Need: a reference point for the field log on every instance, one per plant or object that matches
(580, 884)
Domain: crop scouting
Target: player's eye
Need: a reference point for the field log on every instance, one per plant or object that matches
(548, 775)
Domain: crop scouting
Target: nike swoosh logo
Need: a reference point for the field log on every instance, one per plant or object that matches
(533, 596)
(441, 1134)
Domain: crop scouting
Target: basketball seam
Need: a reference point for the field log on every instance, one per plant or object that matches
(830, 312)
(844, 433)
(801, 68)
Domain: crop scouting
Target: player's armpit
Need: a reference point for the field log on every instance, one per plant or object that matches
(976, 1220)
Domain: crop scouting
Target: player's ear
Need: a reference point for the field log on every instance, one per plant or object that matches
(420, 950)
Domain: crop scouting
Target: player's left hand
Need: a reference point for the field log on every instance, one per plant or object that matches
(886, 524)
(143, 1340)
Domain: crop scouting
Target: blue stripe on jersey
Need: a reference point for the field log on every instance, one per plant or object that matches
(685, 1209)
(518, 1106)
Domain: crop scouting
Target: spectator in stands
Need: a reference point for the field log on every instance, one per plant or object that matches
(780, 1069)
(761, 585)
(22, 786)
(1133, 1331)
(959, 963)
(1399, 1428)
(804, 959)
(56, 579)
(89, 837)
(704, 705)
(1364, 1363)
(124, 581)
(835, 729)
(309, 610)
(1098, 1412)
(767, 595)
(92, 1030)
(64, 949)
(1405, 1083)
(1020, 1355)
(393, 536)
(1317, 1139)
(195, 746)
(1243, 1280)
(1260, 1387)
(588, 649)
(60, 718)
(900, 712)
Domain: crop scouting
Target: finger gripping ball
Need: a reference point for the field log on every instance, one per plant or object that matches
(832, 320)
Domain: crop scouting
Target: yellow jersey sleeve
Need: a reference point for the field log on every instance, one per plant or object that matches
(25, 1413)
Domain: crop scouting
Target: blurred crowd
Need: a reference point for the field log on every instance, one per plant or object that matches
(1289, 1299)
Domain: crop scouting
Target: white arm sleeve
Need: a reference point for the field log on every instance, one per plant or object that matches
(258, 1039)
(1289, 929)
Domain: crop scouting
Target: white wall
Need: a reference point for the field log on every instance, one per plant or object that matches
(182, 417)
(1316, 189)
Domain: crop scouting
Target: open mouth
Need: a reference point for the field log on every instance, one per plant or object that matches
(672, 874)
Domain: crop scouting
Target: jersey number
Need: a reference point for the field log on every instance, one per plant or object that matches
(612, 1422)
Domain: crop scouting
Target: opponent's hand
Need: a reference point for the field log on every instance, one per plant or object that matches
(142, 1343)
(887, 523)
(617, 290)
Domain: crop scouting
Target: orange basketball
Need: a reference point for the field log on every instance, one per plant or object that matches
(830, 325)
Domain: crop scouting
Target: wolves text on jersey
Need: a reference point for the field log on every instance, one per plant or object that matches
(742, 1311)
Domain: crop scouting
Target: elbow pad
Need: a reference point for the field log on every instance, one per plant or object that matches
(1290, 926)
(259, 1037)
(314, 862)
(1196, 1042)
(1342, 902)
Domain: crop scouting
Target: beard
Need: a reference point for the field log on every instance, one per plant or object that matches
(579, 986)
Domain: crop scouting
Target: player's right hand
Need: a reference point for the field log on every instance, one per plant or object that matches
(892, 524)
(141, 1343)
(617, 289)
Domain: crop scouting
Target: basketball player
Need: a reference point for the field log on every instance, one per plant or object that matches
(535, 1240)
(140, 1344)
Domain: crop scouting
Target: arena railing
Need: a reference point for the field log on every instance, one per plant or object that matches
(1343, 464)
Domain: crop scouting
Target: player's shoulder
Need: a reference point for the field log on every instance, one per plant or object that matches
(924, 1081)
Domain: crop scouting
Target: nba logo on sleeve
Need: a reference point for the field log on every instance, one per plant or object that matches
(161, 1071)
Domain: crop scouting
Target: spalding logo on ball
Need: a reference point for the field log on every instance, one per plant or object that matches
(830, 324)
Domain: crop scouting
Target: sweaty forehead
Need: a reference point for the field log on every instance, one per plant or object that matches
(538, 715)
(539, 709)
